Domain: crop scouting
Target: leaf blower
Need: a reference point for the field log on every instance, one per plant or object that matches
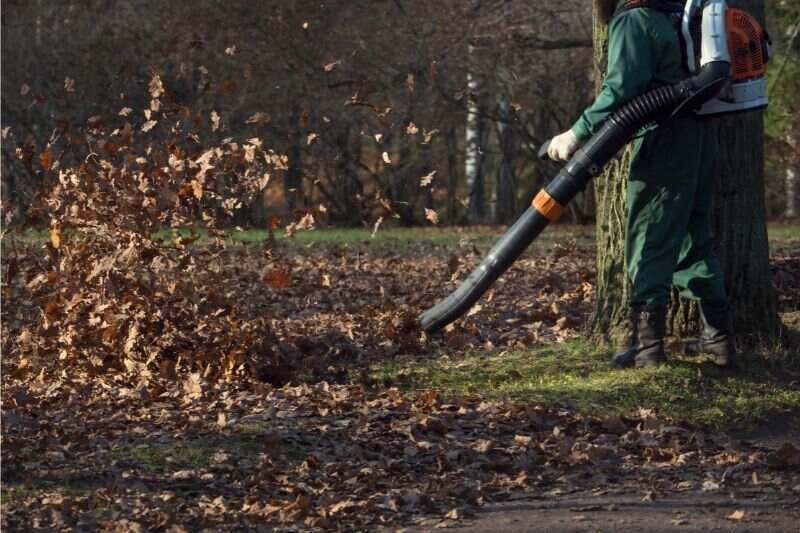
(725, 50)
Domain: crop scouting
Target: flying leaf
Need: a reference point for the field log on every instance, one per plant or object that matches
(428, 135)
(25, 89)
(376, 227)
(55, 237)
(410, 82)
(431, 215)
(386, 158)
(330, 66)
(214, 121)
(259, 118)
(197, 189)
(736, 515)
(69, 85)
(149, 125)
(155, 87)
(427, 179)
(412, 129)
(231, 50)
(311, 138)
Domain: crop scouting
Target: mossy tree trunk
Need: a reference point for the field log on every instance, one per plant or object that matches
(739, 223)
(613, 286)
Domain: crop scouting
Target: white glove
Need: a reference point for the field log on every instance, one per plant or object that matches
(563, 146)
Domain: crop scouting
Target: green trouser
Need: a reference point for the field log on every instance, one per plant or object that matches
(668, 233)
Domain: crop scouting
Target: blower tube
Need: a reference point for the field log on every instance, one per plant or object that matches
(658, 104)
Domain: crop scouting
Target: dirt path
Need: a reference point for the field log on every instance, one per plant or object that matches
(628, 508)
(772, 511)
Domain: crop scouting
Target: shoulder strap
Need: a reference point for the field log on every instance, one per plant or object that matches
(667, 6)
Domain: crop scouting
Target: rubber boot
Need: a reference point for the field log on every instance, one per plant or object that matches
(645, 346)
(717, 337)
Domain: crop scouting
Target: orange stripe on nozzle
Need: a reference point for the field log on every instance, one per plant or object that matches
(547, 206)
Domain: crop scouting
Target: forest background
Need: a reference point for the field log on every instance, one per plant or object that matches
(393, 111)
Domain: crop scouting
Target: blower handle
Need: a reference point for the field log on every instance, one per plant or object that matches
(543, 150)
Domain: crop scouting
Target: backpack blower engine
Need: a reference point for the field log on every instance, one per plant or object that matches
(725, 50)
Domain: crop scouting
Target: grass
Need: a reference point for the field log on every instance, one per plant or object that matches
(403, 239)
(577, 374)
(784, 231)
(398, 239)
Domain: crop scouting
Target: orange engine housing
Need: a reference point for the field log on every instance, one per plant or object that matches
(748, 45)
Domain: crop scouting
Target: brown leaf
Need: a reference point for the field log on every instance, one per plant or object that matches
(786, 456)
(55, 237)
(736, 515)
(277, 279)
(427, 179)
(432, 215)
(46, 158)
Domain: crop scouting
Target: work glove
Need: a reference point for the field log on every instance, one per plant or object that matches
(563, 146)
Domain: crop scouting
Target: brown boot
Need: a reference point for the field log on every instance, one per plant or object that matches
(645, 345)
(717, 337)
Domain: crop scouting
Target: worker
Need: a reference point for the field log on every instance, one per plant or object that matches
(668, 238)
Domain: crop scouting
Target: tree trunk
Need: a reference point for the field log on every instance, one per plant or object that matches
(739, 223)
(612, 286)
(791, 180)
(292, 180)
(474, 134)
(505, 186)
(452, 175)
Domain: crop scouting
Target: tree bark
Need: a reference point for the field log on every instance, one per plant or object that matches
(612, 286)
(505, 186)
(292, 181)
(452, 175)
(790, 179)
(739, 223)
(474, 134)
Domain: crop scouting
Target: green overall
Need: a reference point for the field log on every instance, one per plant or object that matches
(668, 229)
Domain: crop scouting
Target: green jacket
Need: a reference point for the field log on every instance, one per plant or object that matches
(643, 53)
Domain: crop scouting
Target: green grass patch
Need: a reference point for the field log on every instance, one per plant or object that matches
(784, 232)
(188, 454)
(578, 374)
(403, 239)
